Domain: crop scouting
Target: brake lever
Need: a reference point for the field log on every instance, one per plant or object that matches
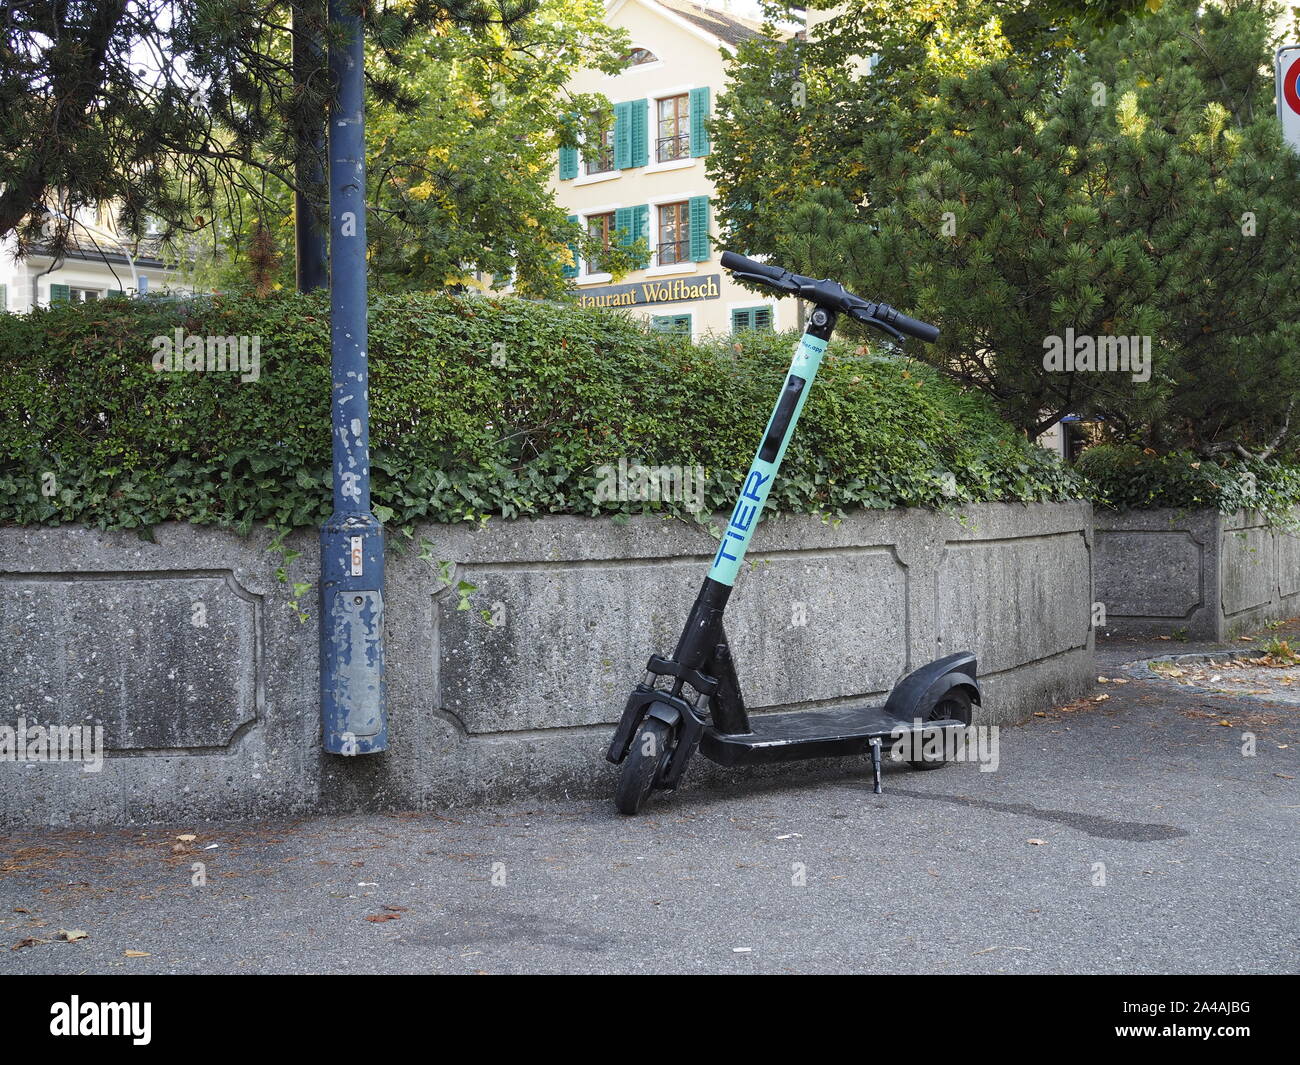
(786, 285)
(884, 327)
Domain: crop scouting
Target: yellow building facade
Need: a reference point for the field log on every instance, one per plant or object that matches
(647, 177)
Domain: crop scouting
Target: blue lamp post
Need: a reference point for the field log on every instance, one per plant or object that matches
(353, 712)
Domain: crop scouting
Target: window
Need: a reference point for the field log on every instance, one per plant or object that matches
(600, 158)
(751, 319)
(600, 226)
(639, 57)
(673, 139)
(677, 324)
(674, 233)
(68, 294)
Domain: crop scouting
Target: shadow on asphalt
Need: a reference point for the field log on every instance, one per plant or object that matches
(1094, 825)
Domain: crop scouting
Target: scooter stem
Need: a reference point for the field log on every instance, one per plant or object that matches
(703, 628)
(767, 460)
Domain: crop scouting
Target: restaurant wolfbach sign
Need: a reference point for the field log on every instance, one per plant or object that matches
(643, 293)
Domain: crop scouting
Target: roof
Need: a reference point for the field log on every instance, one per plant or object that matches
(94, 244)
(726, 27)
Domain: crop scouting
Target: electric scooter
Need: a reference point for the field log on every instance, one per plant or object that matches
(693, 700)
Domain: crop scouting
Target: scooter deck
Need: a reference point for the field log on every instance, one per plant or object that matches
(798, 734)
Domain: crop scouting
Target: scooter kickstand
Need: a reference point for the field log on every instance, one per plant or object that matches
(875, 761)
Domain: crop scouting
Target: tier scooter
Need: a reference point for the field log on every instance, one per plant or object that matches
(693, 700)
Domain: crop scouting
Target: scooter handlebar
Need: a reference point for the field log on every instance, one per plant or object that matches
(831, 294)
(732, 261)
(911, 326)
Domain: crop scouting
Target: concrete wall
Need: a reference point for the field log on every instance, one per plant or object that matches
(205, 680)
(1194, 573)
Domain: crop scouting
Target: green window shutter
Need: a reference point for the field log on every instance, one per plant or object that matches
(756, 319)
(699, 113)
(572, 270)
(632, 224)
(568, 163)
(641, 226)
(622, 136)
(624, 225)
(60, 294)
(699, 228)
(678, 324)
(639, 117)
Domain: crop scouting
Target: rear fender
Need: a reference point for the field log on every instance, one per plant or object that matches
(915, 695)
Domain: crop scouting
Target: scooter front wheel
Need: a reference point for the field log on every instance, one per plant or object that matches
(956, 703)
(645, 760)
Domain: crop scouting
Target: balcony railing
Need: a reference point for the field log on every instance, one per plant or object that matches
(677, 251)
(669, 148)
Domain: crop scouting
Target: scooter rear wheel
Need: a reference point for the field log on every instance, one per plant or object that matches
(956, 703)
(644, 762)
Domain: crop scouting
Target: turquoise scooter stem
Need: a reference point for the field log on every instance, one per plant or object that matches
(767, 459)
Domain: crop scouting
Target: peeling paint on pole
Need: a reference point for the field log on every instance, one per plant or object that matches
(353, 698)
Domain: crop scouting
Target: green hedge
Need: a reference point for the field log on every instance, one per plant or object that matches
(1124, 477)
(479, 407)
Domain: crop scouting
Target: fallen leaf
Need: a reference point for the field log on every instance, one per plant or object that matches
(28, 942)
(395, 909)
(136, 953)
(378, 917)
(1037, 842)
(71, 936)
(187, 838)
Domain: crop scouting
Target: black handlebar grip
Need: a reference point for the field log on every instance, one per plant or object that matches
(731, 261)
(921, 330)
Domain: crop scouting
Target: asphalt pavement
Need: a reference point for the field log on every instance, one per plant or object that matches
(1124, 834)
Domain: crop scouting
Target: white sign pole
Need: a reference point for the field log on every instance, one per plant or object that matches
(1287, 69)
